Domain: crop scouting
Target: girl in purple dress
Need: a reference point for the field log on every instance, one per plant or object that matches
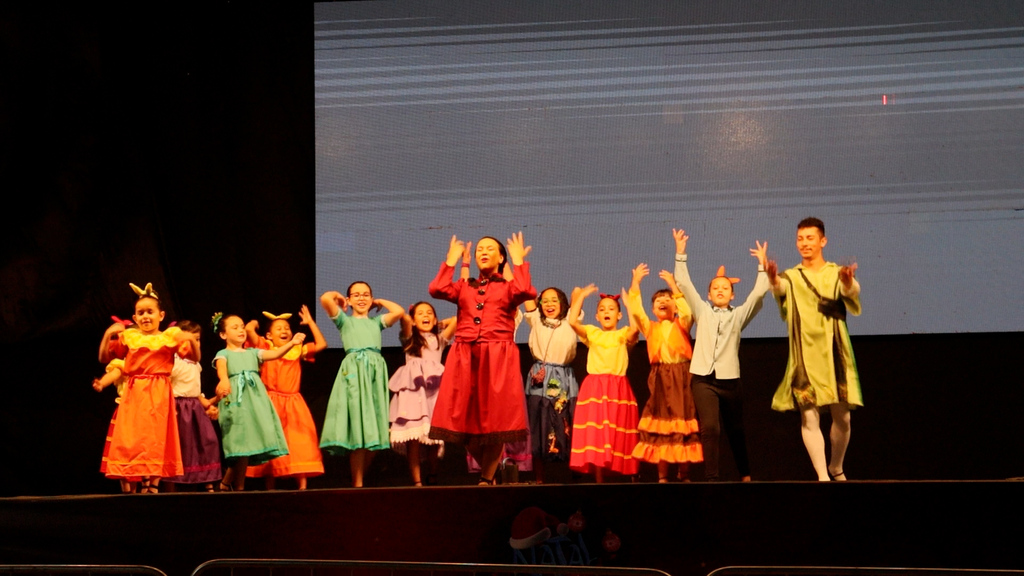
(415, 386)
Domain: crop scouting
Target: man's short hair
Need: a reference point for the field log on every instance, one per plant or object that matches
(812, 222)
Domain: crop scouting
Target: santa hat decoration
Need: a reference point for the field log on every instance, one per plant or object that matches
(721, 274)
(533, 526)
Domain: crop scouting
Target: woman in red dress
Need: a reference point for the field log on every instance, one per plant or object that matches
(481, 402)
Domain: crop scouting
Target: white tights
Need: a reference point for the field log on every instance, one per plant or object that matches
(839, 435)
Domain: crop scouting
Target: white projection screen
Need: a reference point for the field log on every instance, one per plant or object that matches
(596, 127)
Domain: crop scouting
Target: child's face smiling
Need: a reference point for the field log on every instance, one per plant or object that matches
(608, 314)
(664, 307)
(280, 332)
(234, 331)
(720, 292)
(424, 318)
(550, 306)
(361, 298)
(148, 315)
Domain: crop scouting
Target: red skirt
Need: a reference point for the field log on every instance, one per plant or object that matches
(604, 430)
(481, 396)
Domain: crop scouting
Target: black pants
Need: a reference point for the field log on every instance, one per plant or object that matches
(719, 404)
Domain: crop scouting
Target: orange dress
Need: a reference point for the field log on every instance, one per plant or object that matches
(145, 437)
(282, 378)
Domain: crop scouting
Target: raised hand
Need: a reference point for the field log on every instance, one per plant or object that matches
(846, 274)
(669, 279)
(582, 293)
(680, 238)
(305, 318)
(639, 273)
(517, 249)
(467, 253)
(298, 339)
(772, 268)
(456, 248)
(761, 252)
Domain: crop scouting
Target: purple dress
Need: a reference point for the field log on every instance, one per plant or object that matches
(415, 386)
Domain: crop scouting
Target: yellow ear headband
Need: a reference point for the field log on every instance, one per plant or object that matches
(146, 292)
(273, 317)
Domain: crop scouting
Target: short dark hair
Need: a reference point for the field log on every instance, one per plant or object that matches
(812, 222)
(563, 301)
(190, 326)
(352, 285)
(731, 288)
(222, 322)
(662, 292)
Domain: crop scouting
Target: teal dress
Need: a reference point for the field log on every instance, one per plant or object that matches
(357, 412)
(248, 422)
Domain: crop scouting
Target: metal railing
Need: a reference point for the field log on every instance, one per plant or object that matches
(850, 571)
(365, 568)
(79, 569)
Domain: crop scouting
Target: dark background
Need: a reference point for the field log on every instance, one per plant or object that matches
(174, 144)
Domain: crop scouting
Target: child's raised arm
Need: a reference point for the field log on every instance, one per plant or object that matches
(333, 303)
(633, 335)
(448, 326)
(394, 311)
(193, 345)
(106, 355)
(319, 343)
(633, 299)
(252, 337)
(278, 352)
(576, 306)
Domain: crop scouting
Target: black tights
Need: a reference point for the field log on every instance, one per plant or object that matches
(714, 397)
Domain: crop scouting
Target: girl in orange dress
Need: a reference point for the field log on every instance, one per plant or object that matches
(669, 433)
(144, 443)
(282, 378)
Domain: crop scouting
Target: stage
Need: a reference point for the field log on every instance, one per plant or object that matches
(681, 528)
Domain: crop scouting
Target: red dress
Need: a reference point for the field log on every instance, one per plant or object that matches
(282, 378)
(481, 395)
(145, 437)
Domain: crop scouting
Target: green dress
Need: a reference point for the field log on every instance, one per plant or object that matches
(248, 422)
(821, 368)
(358, 410)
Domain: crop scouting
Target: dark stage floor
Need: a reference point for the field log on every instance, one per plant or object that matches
(684, 529)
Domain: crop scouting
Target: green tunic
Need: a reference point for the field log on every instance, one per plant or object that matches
(821, 368)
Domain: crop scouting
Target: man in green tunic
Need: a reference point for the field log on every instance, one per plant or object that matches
(814, 298)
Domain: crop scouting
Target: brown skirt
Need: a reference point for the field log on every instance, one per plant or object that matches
(668, 429)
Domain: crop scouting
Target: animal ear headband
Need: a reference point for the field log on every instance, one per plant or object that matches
(146, 292)
(610, 296)
(273, 317)
(721, 274)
